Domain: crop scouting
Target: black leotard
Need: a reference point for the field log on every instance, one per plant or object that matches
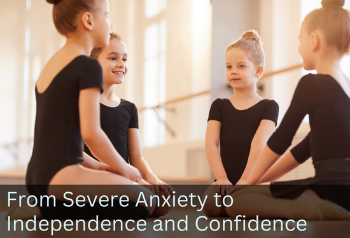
(328, 143)
(328, 107)
(57, 138)
(58, 142)
(238, 128)
(115, 122)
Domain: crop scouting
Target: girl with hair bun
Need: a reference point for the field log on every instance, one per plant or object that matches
(67, 94)
(241, 124)
(325, 97)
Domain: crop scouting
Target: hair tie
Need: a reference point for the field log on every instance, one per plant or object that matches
(53, 1)
(333, 3)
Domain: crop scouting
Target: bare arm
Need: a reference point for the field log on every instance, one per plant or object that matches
(302, 102)
(137, 160)
(296, 156)
(91, 163)
(259, 141)
(283, 166)
(135, 153)
(212, 139)
(96, 139)
(266, 160)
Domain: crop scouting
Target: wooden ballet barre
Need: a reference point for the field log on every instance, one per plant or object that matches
(175, 100)
(269, 74)
(282, 71)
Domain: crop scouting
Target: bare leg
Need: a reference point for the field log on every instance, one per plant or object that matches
(80, 175)
(252, 204)
(210, 209)
(162, 211)
(258, 200)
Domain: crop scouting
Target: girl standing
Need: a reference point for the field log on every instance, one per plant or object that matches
(242, 123)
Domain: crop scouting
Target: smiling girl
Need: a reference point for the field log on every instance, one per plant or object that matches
(242, 123)
(119, 117)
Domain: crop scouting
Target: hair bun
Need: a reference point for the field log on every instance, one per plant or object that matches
(53, 1)
(328, 3)
(251, 35)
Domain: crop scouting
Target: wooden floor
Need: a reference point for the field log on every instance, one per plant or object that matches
(14, 178)
(314, 229)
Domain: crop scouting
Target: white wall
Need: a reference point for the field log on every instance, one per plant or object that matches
(11, 73)
(230, 19)
(187, 63)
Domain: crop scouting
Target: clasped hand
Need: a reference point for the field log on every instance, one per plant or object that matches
(225, 187)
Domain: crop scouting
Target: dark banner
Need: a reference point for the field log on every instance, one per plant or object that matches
(188, 211)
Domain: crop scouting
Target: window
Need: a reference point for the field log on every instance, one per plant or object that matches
(154, 73)
(154, 7)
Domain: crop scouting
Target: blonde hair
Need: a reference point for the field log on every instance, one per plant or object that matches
(250, 42)
(97, 50)
(334, 21)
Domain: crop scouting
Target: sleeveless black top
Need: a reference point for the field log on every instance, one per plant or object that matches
(57, 138)
(115, 122)
(238, 128)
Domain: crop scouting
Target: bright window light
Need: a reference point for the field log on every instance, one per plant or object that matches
(154, 7)
(154, 82)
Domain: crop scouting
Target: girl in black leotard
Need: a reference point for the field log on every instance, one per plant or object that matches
(242, 123)
(325, 96)
(119, 117)
(68, 92)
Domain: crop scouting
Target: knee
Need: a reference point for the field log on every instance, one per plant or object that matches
(151, 208)
(232, 211)
(211, 212)
(210, 209)
(239, 205)
(164, 206)
(148, 202)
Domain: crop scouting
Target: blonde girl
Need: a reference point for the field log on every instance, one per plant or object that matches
(242, 123)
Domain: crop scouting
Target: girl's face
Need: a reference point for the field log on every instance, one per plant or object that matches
(241, 73)
(305, 48)
(102, 25)
(113, 60)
